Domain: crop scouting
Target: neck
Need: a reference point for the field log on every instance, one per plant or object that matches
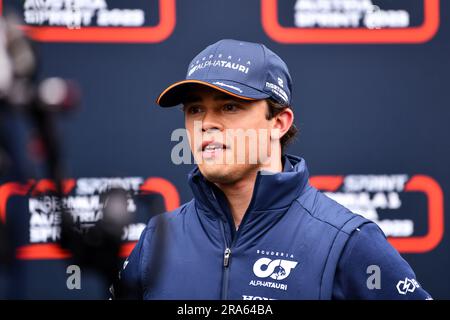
(239, 194)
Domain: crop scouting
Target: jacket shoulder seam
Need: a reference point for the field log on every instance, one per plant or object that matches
(324, 221)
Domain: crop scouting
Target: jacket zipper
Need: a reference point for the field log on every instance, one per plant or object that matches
(227, 252)
(226, 263)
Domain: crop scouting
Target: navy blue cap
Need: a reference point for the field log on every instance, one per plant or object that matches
(246, 70)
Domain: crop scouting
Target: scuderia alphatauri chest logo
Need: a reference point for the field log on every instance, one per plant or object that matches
(273, 266)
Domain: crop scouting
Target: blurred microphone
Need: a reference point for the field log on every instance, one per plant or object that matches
(98, 247)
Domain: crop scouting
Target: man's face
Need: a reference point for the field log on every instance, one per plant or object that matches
(229, 137)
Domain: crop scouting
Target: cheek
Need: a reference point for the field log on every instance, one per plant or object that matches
(195, 136)
(263, 129)
(189, 132)
(188, 124)
(255, 123)
(251, 120)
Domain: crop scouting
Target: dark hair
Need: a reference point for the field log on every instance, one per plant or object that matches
(275, 108)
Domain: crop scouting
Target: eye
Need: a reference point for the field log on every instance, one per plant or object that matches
(192, 109)
(230, 107)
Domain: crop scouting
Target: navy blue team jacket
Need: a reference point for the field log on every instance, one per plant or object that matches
(293, 243)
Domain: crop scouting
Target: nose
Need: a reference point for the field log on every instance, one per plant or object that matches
(211, 122)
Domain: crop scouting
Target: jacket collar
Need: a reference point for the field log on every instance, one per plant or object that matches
(271, 191)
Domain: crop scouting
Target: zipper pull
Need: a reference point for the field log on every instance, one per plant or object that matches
(226, 257)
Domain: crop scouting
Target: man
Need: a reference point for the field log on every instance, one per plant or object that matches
(256, 229)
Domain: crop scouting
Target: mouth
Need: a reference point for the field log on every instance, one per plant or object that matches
(210, 149)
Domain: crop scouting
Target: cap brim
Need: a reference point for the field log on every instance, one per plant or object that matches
(175, 93)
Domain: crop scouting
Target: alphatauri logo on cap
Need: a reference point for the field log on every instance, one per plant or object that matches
(220, 61)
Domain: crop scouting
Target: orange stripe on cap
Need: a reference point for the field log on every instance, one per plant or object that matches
(176, 84)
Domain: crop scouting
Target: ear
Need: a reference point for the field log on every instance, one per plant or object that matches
(282, 122)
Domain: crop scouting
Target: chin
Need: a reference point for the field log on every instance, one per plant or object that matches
(226, 173)
(218, 173)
